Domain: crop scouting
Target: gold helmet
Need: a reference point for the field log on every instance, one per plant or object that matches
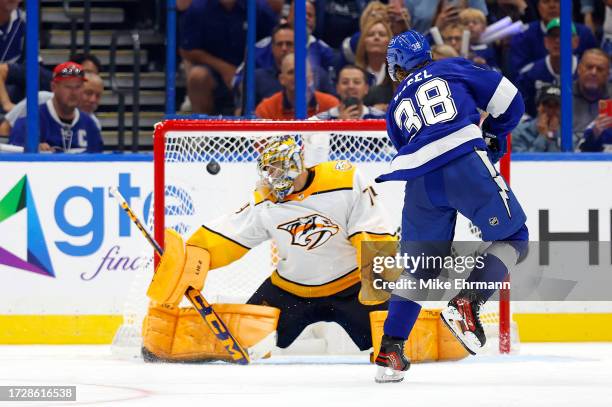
(280, 162)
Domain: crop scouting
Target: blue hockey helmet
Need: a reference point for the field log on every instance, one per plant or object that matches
(407, 50)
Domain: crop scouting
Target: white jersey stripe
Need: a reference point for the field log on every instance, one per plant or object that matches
(501, 99)
(436, 148)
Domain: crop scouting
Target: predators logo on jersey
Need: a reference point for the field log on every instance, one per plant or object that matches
(310, 231)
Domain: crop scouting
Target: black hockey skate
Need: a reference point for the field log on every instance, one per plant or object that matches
(391, 361)
(461, 316)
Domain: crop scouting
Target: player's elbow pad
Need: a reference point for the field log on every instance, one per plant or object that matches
(180, 267)
(503, 124)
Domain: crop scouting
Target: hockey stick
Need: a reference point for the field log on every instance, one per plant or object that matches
(217, 326)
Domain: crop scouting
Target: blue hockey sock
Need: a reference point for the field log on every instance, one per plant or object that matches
(493, 270)
(402, 316)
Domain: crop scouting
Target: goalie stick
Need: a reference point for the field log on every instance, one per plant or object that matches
(217, 326)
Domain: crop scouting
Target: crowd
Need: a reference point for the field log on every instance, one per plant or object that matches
(346, 66)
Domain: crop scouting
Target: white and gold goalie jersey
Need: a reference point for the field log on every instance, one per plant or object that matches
(317, 231)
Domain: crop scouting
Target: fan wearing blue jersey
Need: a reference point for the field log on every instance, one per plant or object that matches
(63, 127)
(446, 161)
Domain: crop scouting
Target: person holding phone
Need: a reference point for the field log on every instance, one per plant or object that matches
(427, 13)
(352, 88)
(598, 135)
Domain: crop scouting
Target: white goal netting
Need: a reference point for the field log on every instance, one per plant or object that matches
(193, 195)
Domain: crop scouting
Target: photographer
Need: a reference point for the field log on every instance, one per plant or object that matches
(351, 89)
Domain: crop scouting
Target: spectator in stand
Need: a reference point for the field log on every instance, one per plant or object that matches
(280, 106)
(452, 34)
(587, 7)
(212, 43)
(396, 15)
(542, 133)
(319, 53)
(427, 13)
(14, 75)
(598, 136)
(269, 53)
(475, 21)
(12, 30)
(371, 52)
(606, 41)
(267, 79)
(12, 51)
(523, 10)
(63, 127)
(93, 87)
(590, 87)
(441, 51)
(89, 62)
(529, 45)
(547, 70)
(351, 88)
(182, 5)
(380, 95)
(337, 19)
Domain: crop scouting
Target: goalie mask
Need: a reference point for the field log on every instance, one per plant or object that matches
(279, 164)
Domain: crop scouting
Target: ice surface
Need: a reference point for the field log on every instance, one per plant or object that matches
(542, 375)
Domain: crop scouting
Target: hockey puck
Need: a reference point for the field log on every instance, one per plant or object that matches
(213, 167)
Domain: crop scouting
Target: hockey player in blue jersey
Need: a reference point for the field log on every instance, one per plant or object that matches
(447, 163)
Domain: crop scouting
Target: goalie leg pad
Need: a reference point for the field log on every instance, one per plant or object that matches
(430, 340)
(180, 268)
(179, 335)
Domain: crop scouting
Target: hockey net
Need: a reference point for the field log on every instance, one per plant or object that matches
(186, 195)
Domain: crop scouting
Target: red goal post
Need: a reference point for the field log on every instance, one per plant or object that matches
(169, 132)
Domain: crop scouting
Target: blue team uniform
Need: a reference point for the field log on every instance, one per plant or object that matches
(319, 54)
(81, 133)
(593, 144)
(487, 53)
(528, 46)
(433, 123)
(12, 35)
(533, 77)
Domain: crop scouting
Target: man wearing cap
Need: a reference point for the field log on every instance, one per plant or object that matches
(541, 134)
(546, 71)
(90, 100)
(528, 46)
(63, 127)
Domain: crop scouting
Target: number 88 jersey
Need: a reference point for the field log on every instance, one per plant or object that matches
(434, 116)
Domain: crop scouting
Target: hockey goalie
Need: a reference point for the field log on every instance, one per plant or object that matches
(318, 217)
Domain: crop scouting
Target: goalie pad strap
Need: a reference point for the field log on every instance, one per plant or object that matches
(178, 334)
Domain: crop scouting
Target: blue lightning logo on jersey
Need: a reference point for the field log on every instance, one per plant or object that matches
(503, 187)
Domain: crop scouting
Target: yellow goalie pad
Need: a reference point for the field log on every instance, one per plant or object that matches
(429, 341)
(178, 334)
(179, 268)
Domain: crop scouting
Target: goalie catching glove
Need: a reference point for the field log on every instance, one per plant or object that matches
(180, 267)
